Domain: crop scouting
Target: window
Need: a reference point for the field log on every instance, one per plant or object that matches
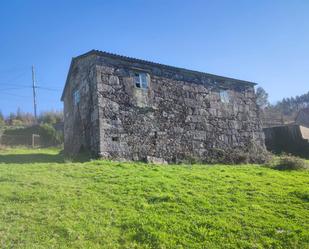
(115, 139)
(224, 96)
(76, 97)
(141, 80)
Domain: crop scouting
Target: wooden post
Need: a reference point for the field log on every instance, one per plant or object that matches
(35, 136)
(34, 94)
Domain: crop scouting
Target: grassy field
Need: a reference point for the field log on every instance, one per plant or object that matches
(48, 203)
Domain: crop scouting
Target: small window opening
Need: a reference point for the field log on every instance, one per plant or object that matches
(76, 97)
(155, 134)
(141, 80)
(224, 96)
(115, 139)
(155, 137)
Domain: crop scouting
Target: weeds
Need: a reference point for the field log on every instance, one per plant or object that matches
(288, 162)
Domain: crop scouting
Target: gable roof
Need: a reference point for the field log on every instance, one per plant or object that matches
(149, 63)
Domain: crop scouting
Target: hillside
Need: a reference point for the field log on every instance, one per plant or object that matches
(48, 203)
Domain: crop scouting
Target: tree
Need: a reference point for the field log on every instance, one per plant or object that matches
(2, 122)
(51, 117)
(290, 106)
(262, 98)
(19, 114)
(10, 118)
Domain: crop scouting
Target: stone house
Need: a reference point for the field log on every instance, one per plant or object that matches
(125, 108)
(289, 137)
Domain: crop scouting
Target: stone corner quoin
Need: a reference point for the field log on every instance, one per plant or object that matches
(128, 109)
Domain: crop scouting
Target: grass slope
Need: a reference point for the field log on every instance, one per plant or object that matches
(46, 203)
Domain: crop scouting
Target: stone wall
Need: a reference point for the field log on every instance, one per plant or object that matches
(288, 139)
(81, 124)
(179, 116)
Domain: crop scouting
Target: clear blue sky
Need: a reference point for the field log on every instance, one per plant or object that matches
(259, 40)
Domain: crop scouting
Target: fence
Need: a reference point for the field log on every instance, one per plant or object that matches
(31, 140)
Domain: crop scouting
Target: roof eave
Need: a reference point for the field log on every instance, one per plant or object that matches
(74, 59)
(130, 59)
(67, 79)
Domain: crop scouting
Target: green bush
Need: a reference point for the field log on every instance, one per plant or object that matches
(49, 136)
(252, 154)
(51, 117)
(23, 136)
(237, 157)
(2, 123)
(288, 162)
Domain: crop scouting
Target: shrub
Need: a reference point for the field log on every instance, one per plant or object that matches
(2, 147)
(51, 117)
(23, 136)
(2, 123)
(237, 157)
(189, 160)
(17, 122)
(49, 136)
(252, 154)
(288, 162)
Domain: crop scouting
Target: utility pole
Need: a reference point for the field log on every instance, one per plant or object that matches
(34, 93)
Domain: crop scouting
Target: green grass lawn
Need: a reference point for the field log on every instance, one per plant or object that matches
(48, 203)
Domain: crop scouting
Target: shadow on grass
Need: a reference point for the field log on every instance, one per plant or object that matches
(41, 158)
(31, 158)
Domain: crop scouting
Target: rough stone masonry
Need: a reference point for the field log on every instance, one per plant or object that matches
(129, 109)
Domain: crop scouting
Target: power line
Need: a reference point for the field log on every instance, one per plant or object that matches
(15, 95)
(10, 70)
(16, 85)
(48, 89)
(16, 77)
(29, 86)
(12, 88)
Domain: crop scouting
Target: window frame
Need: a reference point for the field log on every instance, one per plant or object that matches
(141, 80)
(224, 96)
(76, 97)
